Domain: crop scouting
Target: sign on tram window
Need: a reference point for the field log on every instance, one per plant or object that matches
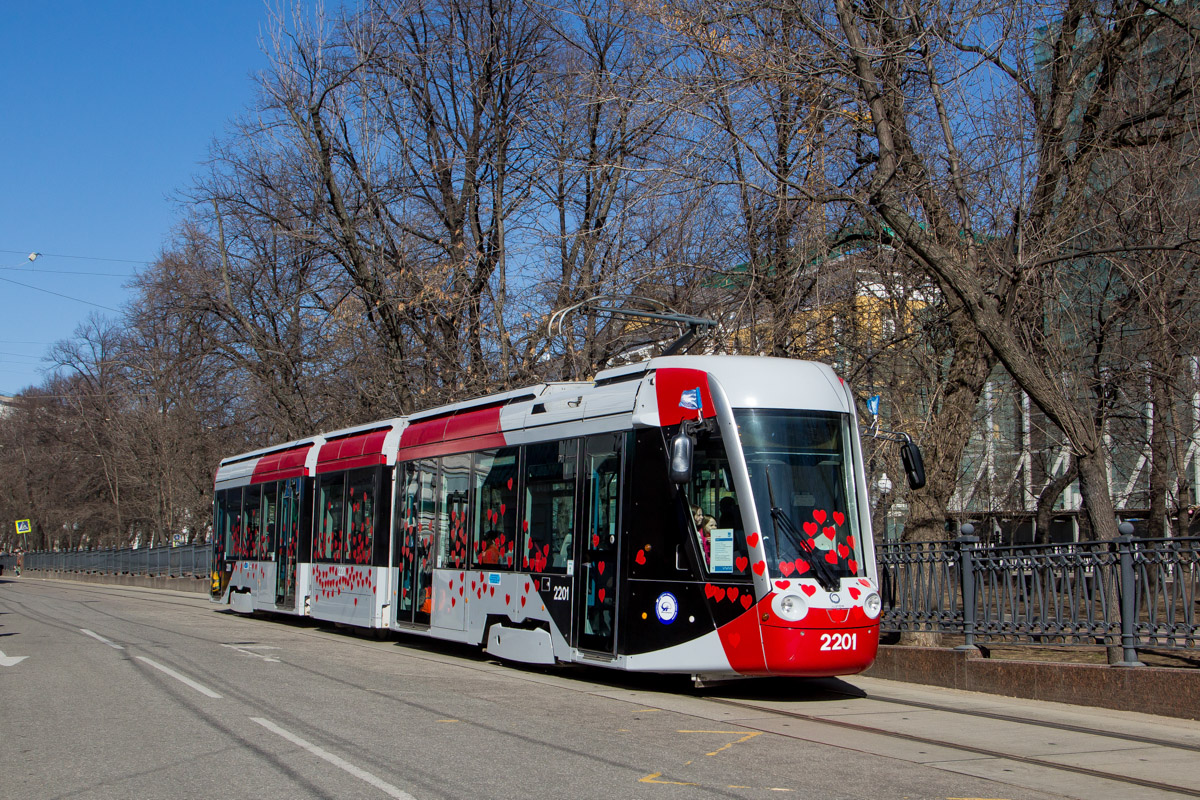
(721, 550)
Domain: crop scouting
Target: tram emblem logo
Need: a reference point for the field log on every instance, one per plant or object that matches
(666, 608)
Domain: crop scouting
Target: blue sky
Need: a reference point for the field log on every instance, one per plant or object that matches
(109, 109)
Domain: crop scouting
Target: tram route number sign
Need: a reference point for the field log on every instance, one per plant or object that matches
(23, 527)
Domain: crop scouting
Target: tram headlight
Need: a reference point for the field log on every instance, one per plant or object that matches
(872, 605)
(790, 607)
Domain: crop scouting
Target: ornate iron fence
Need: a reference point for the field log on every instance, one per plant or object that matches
(174, 562)
(1133, 593)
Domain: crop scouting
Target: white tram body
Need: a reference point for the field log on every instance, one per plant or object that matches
(544, 523)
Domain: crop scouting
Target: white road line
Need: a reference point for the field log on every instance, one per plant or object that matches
(248, 651)
(100, 638)
(361, 774)
(204, 690)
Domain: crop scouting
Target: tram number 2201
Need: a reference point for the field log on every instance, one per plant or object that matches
(839, 641)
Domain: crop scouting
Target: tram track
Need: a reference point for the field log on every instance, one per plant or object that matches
(590, 679)
(985, 752)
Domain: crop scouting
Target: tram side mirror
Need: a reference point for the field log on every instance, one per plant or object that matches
(914, 464)
(682, 447)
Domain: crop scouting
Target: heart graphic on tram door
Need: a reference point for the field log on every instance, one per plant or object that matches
(752, 540)
(740, 562)
(819, 516)
(600, 595)
(787, 568)
(808, 589)
(640, 558)
(600, 567)
(855, 593)
(746, 601)
(839, 518)
(760, 567)
(731, 593)
(595, 540)
(713, 592)
(831, 557)
(811, 528)
(783, 585)
(843, 551)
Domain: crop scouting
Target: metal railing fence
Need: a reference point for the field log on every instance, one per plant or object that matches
(188, 560)
(1132, 593)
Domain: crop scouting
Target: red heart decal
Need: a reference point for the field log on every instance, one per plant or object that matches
(502, 507)
(819, 516)
(831, 557)
(507, 599)
(853, 565)
(787, 568)
(712, 591)
(855, 593)
(731, 593)
(640, 557)
(829, 532)
(839, 518)
(741, 562)
(864, 582)
(493, 592)
(843, 551)
(600, 595)
(525, 525)
(595, 540)
(760, 567)
(752, 540)
(810, 528)
(460, 591)
(546, 550)
(808, 589)
(746, 600)
(510, 483)
(451, 585)
(600, 567)
(850, 540)
(782, 585)
(734, 640)
(479, 593)
(522, 601)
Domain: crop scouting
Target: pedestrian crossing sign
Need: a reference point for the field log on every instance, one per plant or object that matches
(23, 527)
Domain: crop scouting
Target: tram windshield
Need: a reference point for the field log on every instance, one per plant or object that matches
(801, 471)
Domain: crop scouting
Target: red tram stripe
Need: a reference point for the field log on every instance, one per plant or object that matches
(277, 466)
(478, 429)
(350, 452)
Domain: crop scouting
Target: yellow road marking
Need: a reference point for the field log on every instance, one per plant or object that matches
(653, 776)
(745, 738)
(447, 720)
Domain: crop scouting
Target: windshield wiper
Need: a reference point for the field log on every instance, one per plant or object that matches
(820, 567)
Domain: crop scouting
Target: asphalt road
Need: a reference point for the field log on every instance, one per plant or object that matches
(113, 692)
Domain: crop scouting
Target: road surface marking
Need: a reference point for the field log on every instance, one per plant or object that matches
(10, 661)
(245, 650)
(204, 690)
(745, 738)
(100, 638)
(653, 778)
(361, 774)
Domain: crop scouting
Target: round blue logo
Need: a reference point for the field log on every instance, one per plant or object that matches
(666, 608)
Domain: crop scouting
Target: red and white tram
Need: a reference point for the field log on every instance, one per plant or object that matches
(694, 514)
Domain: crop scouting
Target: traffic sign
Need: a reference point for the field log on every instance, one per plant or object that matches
(23, 527)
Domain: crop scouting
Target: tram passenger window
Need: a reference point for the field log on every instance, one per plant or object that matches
(495, 515)
(452, 519)
(550, 471)
(270, 512)
(360, 516)
(331, 494)
(229, 521)
(251, 523)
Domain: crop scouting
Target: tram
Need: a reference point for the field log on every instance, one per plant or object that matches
(687, 514)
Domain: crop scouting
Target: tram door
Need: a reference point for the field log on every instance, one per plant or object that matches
(287, 531)
(416, 502)
(596, 606)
